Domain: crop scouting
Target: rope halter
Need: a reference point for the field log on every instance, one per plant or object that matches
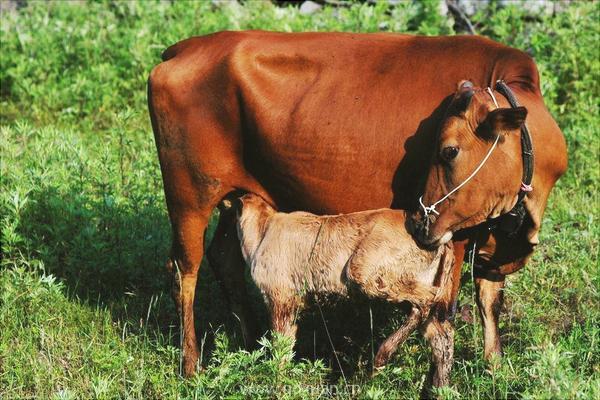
(431, 209)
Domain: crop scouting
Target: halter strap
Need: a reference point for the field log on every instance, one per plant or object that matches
(511, 222)
(526, 144)
(491, 93)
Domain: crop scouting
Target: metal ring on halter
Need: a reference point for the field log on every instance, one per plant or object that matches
(526, 188)
(427, 210)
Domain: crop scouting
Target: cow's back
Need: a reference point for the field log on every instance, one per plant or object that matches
(335, 122)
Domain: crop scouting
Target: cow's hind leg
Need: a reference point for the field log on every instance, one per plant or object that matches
(195, 126)
(184, 263)
(226, 260)
(192, 191)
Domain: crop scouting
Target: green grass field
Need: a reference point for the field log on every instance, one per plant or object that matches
(85, 310)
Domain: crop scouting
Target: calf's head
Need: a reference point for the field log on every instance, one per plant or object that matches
(479, 147)
(252, 213)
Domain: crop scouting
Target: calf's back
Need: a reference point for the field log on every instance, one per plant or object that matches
(300, 252)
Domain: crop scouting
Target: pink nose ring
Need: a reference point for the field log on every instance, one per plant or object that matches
(526, 188)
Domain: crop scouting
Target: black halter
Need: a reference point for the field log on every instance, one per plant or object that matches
(512, 221)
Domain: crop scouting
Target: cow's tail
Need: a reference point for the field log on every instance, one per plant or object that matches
(172, 51)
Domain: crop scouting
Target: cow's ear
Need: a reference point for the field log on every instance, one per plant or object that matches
(505, 119)
(238, 206)
(464, 94)
(464, 86)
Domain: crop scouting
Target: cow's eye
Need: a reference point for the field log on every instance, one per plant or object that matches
(449, 153)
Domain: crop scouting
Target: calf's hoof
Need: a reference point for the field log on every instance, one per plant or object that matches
(191, 366)
(382, 358)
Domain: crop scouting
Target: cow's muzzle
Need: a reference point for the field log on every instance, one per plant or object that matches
(422, 226)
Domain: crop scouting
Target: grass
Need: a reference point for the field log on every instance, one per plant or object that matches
(85, 310)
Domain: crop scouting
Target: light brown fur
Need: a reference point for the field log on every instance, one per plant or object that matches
(297, 254)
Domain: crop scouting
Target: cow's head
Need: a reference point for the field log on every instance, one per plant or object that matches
(472, 126)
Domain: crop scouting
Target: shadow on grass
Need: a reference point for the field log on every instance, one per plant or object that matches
(353, 328)
(111, 254)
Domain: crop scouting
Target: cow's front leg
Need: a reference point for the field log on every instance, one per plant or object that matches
(490, 296)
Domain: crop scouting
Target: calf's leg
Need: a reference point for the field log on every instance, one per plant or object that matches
(390, 345)
(226, 260)
(456, 273)
(283, 316)
(440, 335)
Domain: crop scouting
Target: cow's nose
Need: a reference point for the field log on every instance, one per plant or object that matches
(421, 229)
(418, 228)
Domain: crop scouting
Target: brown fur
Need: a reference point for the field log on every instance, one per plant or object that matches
(440, 336)
(325, 122)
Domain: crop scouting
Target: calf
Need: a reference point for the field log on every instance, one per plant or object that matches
(297, 254)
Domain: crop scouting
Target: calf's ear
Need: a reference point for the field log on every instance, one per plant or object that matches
(505, 119)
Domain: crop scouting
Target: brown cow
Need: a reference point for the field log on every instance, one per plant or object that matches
(480, 123)
(328, 123)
